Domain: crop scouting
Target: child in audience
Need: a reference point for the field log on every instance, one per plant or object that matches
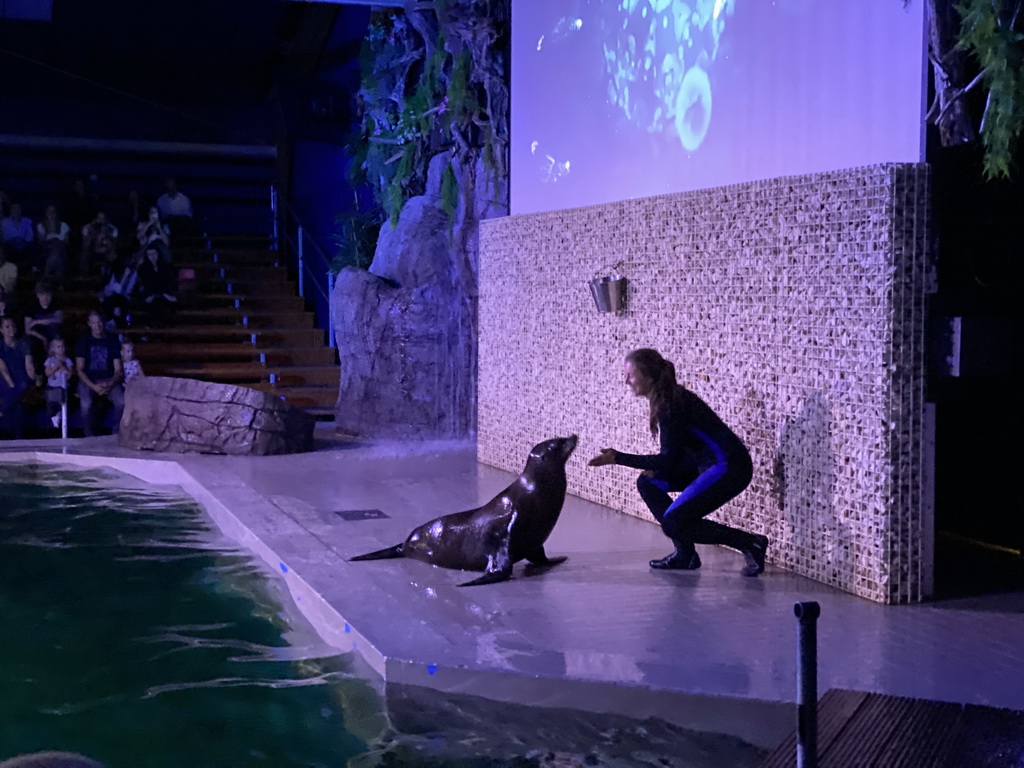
(132, 367)
(59, 372)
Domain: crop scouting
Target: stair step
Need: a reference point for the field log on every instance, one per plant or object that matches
(271, 337)
(230, 316)
(233, 256)
(225, 239)
(155, 352)
(227, 373)
(205, 269)
(247, 304)
(321, 412)
(288, 376)
(302, 397)
(308, 356)
(281, 377)
(315, 356)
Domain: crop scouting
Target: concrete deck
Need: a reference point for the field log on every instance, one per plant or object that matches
(708, 649)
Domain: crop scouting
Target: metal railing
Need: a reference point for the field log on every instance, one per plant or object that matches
(300, 249)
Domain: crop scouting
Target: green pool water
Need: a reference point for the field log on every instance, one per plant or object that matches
(134, 634)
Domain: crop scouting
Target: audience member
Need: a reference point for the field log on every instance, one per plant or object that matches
(132, 367)
(99, 245)
(176, 209)
(16, 231)
(17, 374)
(43, 318)
(157, 285)
(59, 372)
(54, 238)
(100, 373)
(116, 296)
(153, 230)
(8, 273)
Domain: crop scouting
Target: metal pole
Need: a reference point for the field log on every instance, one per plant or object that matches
(807, 684)
(274, 214)
(64, 414)
(302, 267)
(330, 309)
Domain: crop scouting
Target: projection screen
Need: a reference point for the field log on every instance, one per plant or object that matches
(618, 99)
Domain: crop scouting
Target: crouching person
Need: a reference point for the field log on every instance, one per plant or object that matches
(100, 374)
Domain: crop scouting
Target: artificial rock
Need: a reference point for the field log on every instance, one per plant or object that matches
(190, 416)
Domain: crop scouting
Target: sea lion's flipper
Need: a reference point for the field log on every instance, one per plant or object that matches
(381, 554)
(499, 565)
(538, 557)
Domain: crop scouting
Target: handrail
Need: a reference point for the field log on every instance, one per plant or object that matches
(323, 279)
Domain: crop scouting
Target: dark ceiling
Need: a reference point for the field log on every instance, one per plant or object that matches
(182, 52)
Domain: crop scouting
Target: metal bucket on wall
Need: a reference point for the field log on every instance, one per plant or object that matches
(609, 292)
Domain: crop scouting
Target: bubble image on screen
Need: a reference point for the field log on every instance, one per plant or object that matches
(617, 99)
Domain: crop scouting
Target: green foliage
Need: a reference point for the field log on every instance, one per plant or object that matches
(449, 192)
(356, 238)
(462, 102)
(414, 106)
(987, 31)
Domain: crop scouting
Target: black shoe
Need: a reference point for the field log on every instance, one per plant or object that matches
(677, 561)
(755, 556)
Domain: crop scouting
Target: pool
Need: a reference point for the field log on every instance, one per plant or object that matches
(136, 633)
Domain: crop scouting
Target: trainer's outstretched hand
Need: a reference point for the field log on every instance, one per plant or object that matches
(606, 456)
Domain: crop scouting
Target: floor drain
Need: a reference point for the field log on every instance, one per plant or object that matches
(360, 514)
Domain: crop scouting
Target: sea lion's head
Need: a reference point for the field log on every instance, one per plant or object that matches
(554, 452)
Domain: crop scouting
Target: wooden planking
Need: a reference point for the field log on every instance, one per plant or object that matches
(858, 730)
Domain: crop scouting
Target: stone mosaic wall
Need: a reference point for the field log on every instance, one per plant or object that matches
(794, 306)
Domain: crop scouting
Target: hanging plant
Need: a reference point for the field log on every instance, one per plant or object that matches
(416, 104)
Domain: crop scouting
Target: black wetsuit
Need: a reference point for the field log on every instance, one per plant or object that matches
(705, 460)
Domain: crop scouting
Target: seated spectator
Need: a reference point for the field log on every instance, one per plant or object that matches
(153, 230)
(118, 293)
(59, 372)
(6, 305)
(17, 375)
(54, 237)
(157, 285)
(16, 232)
(100, 374)
(43, 319)
(8, 273)
(132, 367)
(99, 245)
(175, 208)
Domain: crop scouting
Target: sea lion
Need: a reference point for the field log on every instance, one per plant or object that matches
(510, 527)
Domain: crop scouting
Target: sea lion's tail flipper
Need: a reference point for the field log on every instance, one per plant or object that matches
(381, 554)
